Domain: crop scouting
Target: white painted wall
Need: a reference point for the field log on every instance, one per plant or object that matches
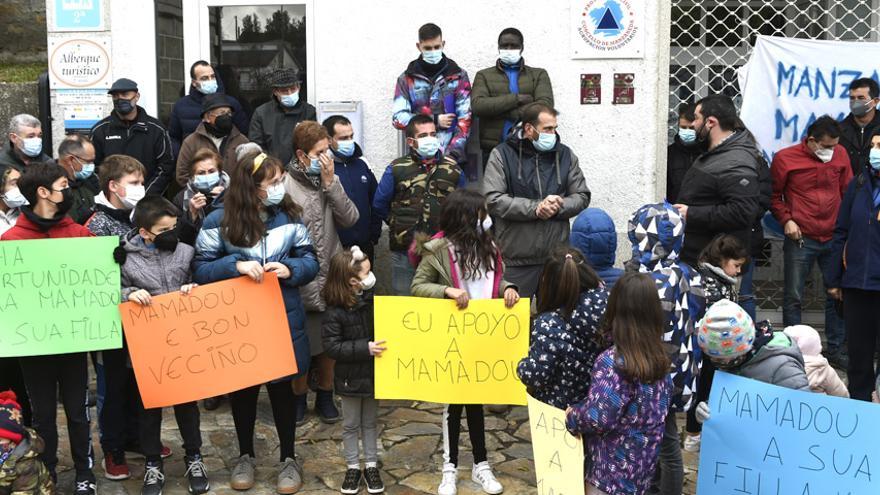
(361, 48)
(133, 24)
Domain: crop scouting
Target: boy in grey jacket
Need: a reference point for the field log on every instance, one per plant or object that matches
(155, 263)
(728, 338)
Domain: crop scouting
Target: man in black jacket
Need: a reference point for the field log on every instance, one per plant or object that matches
(76, 156)
(721, 192)
(680, 155)
(273, 122)
(862, 122)
(128, 130)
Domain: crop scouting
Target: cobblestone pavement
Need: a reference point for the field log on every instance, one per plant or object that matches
(410, 451)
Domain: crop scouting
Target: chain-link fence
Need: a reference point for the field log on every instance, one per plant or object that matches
(711, 39)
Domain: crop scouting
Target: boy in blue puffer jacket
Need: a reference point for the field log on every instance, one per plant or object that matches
(594, 235)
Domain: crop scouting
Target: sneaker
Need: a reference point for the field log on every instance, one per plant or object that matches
(115, 467)
(301, 406)
(482, 475)
(212, 403)
(449, 481)
(85, 486)
(197, 474)
(154, 479)
(242, 477)
(290, 477)
(325, 407)
(692, 443)
(374, 480)
(352, 482)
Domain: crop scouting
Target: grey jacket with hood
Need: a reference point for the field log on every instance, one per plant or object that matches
(778, 362)
(156, 271)
(518, 177)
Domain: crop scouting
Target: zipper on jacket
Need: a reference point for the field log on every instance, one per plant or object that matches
(263, 248)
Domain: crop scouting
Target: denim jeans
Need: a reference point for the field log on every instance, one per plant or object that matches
(402, 273)
(799, 262)
(747, 290)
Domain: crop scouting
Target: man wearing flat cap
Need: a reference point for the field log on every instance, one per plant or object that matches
(128, 130)
(216, 132)
(272, 122)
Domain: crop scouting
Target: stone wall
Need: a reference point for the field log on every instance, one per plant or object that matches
(169, 51)
(23, 30)
(16, 98)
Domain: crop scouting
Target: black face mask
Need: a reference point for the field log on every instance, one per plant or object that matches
(66, 203)
(123, 106)
(166, 241)
(223, 124)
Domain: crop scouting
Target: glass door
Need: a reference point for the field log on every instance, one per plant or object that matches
(246, 41)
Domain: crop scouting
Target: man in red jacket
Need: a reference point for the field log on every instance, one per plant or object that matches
(45, 187)
(809, 180)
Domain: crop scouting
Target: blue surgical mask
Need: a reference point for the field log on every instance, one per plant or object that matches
(32, 147)
(509, 57)
(14, 199)
(345, 148)
(874, 158)
(314, 166)
(428, 146)
(432, 56)
(291, 100)
(274, 194)
(545, 141)
(207, 181)
(208, 87)
(687, 136)
(87, 170)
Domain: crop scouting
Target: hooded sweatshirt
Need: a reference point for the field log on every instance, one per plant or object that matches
(594, 235)
(518, 177)
(656, 232)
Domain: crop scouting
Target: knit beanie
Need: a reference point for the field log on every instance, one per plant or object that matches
(726, 331)
(10, 417)
(806, 338)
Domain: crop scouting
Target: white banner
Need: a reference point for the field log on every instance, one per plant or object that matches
(788, 83)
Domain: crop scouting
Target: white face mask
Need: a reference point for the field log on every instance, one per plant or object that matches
(133, 194)
(825, 155)
(14, 198)
(369, 282)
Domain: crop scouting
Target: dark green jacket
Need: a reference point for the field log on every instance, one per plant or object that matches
(493, 103)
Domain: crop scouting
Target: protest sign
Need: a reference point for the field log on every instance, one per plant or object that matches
(771, 440)
(438, 353)
(58, 296)
(220, 338)
(788, 83)
(559, 456)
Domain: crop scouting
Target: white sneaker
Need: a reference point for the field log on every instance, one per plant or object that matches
(692, 443)
(449, 481)
(482, 474)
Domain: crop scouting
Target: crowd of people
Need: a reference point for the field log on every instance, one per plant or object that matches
(220, 194)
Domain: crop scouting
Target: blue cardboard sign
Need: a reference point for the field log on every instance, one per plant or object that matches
(768, 440)
(79, 15)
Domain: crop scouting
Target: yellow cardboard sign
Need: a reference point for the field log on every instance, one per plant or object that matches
(438, 353)
(559, 456)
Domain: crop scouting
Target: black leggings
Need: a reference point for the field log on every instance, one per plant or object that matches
(704, 387)
(862, 333)
(452, 429)
(244, 415)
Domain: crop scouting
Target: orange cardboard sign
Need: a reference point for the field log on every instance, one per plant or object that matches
(220, 338)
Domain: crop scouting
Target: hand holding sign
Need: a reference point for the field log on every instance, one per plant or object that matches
(217, 339)
(559, 456)
(444, 354)
(59, 296)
